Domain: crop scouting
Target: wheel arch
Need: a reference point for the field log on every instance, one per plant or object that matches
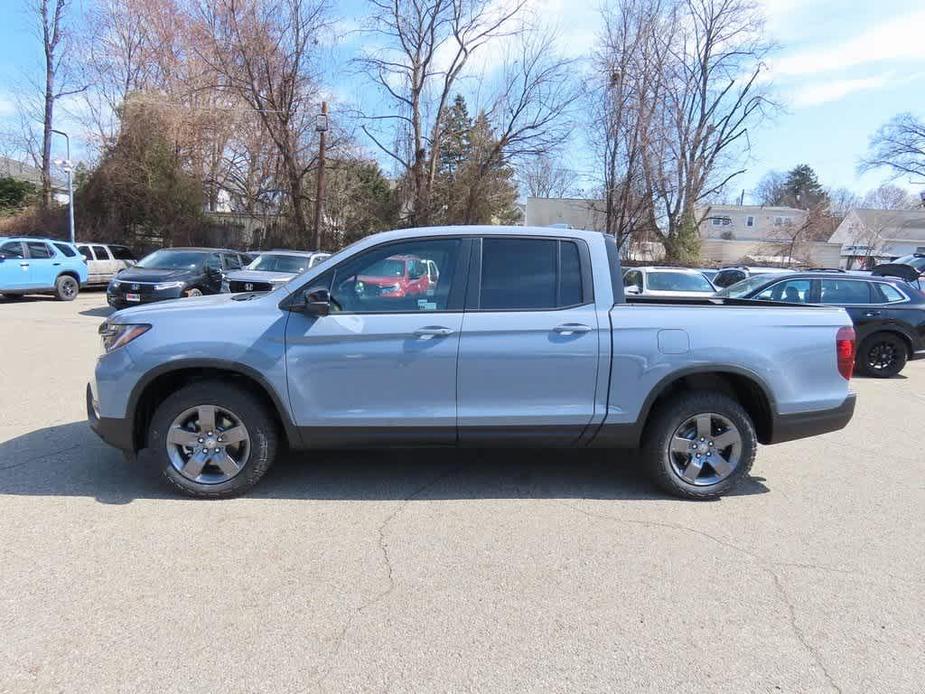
(746, 387)
(891, 330)
(160, 382)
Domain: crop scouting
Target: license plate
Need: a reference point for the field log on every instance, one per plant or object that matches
(133, 297)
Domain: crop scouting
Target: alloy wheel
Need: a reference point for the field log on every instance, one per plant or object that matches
(705, 449)
(208, 444)
(882, 356)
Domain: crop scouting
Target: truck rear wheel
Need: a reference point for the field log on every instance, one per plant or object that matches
(213, 440)
(699, 445)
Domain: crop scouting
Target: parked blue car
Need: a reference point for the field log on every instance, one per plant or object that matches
(40, 266)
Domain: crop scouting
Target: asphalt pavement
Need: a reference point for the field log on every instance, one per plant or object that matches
(449, 571)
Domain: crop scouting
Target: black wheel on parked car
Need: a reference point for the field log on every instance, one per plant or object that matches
(66, 288)
(213, 440)
(699, 445)
(882, 355)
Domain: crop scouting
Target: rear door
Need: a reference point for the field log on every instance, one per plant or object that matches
(855, 297)
(43, 266)
(528, 355)
(104, 267)
(14, 267)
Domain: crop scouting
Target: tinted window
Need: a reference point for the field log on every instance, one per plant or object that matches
(375, 281)
(679, 282)
(518, 274)
(845, 292)
(167, 259)
(272, 262)
(725, 278)
(100, 252)
(121, 253)
(85, 252)
(791, 291)
(885, 293)
(37, 249)
(569, 274)
(213, 262)
(67, 250)
(12, 249)
(633, 278)
(232, 261)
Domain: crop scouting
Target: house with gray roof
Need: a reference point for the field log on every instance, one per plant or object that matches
(868, 237)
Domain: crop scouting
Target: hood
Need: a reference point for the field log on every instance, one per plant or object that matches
(146, 312)
(137, 274)
(259, 276)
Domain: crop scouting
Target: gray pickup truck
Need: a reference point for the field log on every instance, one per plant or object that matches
(467, 336)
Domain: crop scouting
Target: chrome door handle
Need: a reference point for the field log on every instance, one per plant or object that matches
(432, 331)
(56, 264)
(571, 328)
(24, 265)
(871, 314)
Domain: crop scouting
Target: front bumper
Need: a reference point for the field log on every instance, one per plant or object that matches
(114, 431)
(800, 425)
(147, 295)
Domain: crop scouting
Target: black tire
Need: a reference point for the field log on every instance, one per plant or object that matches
(66, 288)
(661, 462)
(882, 355)
(261, 428)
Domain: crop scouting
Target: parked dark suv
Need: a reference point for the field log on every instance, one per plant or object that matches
(172, 273)
(888, 314)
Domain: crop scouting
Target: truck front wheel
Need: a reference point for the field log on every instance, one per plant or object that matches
(699, 445)
(212, 439)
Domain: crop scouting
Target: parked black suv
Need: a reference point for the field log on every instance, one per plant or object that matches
(171, 273)
(888, 314)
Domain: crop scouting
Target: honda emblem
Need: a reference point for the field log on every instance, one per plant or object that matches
(248, 287)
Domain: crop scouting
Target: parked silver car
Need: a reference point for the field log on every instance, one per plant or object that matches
(271, 269)
(105, 260)
(676, 282)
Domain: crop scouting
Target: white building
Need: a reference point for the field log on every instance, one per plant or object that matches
(867, 237)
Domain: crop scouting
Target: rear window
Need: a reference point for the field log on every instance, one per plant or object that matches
(886, 294)
(845, 292)
(37, 249)
(121, 253)
(67, 250)
(530, 274)
(678, 282)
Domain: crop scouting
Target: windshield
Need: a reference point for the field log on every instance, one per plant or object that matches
(387, 267)
(167, 259)
(278, 262)
(678, 282)
(916, 261)
(743, 287)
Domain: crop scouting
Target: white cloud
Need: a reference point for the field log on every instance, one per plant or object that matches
(899, 38)
(817, 93)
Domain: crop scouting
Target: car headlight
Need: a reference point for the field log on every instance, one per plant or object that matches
(114, 284)
(168, 285)
(115, 335)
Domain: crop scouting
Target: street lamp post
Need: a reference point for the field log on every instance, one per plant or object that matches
(70, 187)
(321, 127)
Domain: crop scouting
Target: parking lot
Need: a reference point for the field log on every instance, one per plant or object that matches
(447, 571)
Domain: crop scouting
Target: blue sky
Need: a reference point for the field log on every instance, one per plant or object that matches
(843, 68)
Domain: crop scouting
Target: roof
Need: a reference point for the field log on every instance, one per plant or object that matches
(753, 208)
(893, 225)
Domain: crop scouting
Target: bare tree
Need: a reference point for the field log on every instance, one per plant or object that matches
(771, 189)
(841, 202)
(264, 53)
(629, 64)
(542, 177)
(56, 80)
(712, 94)
(888, 197)
(422, 48)
(899, 146)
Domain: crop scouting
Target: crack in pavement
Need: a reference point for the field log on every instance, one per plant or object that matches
(760, 562)
(387, 560)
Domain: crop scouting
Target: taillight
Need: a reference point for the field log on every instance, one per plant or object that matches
(844, 350)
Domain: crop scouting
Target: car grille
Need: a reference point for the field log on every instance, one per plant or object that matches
(246, 286)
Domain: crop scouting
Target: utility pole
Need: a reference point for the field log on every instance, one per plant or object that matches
(321, 127)
(70, 187)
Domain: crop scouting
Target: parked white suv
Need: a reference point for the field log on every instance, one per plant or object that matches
(105, 260)
(677, 282)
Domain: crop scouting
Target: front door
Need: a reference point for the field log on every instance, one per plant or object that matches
(14, 267)
(528, 356)
(381, 367)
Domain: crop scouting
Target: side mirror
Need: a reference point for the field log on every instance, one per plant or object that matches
(317, 301)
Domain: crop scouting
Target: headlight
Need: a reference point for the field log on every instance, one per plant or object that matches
(114, 284)
(167, 285)
(115, 335)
